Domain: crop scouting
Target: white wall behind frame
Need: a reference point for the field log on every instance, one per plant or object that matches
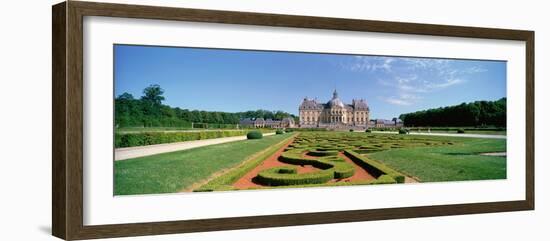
(100, 207)
(25, 75)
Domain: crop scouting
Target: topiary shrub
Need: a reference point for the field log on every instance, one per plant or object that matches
(254, 135)
(403, 131)
(331, 167)
(225, 182)
(323, 153)
(279, 132)
(288, 170)
(374, 167)
(368, 130)
(341, 168)
(284, 176)
(460, 131)
(288, 130)
(350, 130)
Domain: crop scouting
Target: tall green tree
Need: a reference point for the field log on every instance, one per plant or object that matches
(478, 113)
(153, 94)
(148, 111)
(152, 100)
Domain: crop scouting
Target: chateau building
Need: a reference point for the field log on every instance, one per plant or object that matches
(267, 123)
(381, 123)
(334, 114)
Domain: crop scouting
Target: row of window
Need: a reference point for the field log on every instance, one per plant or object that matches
(335, 118)
(334, 113)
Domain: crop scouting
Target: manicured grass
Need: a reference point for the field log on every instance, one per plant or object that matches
(225, 181)
(426, 158)
(467, 132)
(456, 162)
(174, 171)
(322, 149)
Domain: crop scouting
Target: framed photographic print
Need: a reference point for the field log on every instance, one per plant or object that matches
(171, 120)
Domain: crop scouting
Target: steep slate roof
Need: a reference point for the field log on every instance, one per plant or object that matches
(251, 121)
(360, 104)
(312, 104)
(385, 122)
(271, 121)
(246, 121)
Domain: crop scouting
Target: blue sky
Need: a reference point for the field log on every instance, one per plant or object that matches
(237, 80)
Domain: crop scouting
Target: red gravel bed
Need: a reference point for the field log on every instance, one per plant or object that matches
(246, 181)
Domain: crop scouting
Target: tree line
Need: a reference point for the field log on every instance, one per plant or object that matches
(148, 111)
(476, 114)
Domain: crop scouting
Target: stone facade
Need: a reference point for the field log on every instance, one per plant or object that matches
(381, 123)
(268, 123)
(334, 114)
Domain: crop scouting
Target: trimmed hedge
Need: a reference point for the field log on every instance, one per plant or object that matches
(284, 176)
(279, 132)
(384, 179)
(343, 169)
(225, 182)
(307, 129)
(288, 170)
(319, 145)
(254, 135)
(152, 138)
(295, 157)
(323, 153)
(374, 167)
(336, 165)
(460, 131)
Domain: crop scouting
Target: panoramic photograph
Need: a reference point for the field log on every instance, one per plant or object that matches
(202, 120)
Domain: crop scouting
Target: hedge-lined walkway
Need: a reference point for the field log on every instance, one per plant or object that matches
(141, 151)
(175, 171)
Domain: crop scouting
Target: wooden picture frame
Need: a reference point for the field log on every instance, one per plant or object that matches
(67, 123)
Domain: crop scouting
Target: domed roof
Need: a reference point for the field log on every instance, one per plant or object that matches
(335, 102)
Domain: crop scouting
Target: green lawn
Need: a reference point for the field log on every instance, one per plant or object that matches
(174, 171)
(448, 163)
(467, 132)
(426, 158)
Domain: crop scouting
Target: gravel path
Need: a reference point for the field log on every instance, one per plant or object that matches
(141, 151)
(502, 154)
